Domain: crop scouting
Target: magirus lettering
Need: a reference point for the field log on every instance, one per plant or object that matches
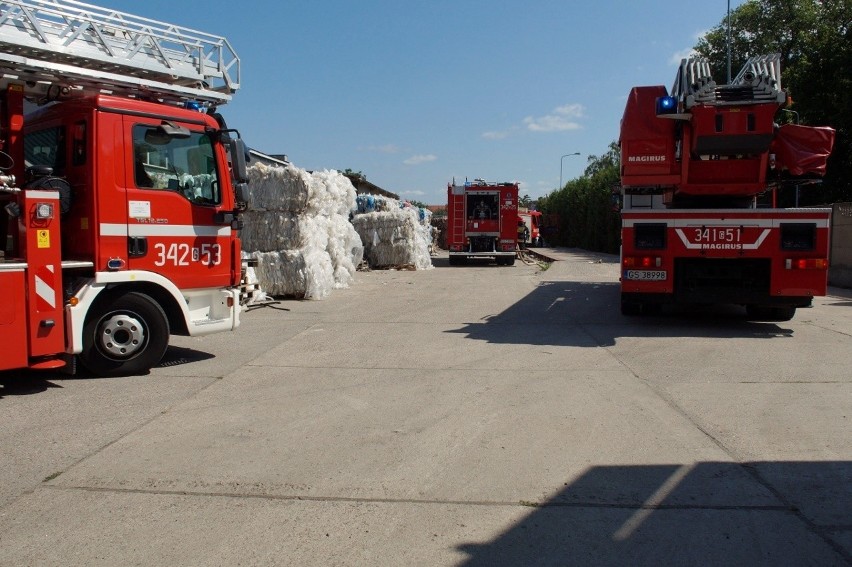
(646, 159)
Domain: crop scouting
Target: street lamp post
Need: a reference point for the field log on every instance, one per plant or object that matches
(560, 166)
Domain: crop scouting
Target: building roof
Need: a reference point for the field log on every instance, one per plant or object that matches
(364, 187)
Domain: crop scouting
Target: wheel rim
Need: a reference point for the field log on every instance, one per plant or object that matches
(121, 336)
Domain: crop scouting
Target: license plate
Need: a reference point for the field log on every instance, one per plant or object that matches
(645, 275)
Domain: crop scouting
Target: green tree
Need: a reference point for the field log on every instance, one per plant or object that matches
(584, 207)
(525, 201)
(814, 38)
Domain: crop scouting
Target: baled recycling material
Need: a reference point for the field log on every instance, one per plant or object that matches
(394, 234)
(298, 230)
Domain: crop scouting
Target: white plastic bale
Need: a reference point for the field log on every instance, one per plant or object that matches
(319, 274)
(278, 275)
(394, 238)
(275, 188)
(297, 227)
(295, 273)
(266, 231)
(345, 250)
(330, 193)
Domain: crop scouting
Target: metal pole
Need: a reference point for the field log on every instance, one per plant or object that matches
(560, 166)
(728, 21)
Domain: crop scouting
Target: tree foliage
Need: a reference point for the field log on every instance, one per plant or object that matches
(815, 43)
(585, 207)
(420, 204)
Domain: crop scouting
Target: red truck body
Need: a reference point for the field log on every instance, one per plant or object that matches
(532, 220)
(696, 166)
(119, 222)
(482, 221)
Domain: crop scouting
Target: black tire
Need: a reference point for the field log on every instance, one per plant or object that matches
(125, 335)
(510, 261)
(768, 313)
(783, 313)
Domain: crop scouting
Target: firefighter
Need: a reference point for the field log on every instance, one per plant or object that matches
(523, 234)
(482, 211)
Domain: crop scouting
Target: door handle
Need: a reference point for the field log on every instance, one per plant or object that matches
(137, 246)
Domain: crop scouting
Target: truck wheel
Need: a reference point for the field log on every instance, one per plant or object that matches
(509, 261)
(783, 313)
(126, 335)
(768, 313)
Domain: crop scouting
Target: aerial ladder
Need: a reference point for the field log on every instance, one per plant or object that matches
(62, 45)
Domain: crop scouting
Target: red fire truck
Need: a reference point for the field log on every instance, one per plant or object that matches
(482, 221)
(120, 187)
(532, 220)
(701, 168)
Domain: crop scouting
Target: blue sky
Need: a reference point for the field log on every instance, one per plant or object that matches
(414, 94)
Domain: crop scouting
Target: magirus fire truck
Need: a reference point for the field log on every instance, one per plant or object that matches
(120, 187)
(482, 221)
(701, 168)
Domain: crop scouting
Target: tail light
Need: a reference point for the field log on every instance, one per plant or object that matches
(642, 261)
(806, 264)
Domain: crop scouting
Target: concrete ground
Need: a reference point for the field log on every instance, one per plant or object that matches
(475, 415)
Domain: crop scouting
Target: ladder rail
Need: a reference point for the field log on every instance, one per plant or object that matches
(758, 82)
(98, 39)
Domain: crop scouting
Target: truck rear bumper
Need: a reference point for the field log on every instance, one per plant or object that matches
(736, 299)
(491, 254)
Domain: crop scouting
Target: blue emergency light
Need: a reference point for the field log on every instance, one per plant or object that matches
(666, 105)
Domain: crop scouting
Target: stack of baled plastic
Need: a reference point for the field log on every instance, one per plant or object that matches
(395, 234)
(297, 227)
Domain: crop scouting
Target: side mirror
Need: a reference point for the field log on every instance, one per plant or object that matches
(238, 160)
(241, 195)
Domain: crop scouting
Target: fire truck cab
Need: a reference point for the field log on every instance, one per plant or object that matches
(120, 191)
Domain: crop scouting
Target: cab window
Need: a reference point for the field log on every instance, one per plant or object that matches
(46, 148)
(185, 165)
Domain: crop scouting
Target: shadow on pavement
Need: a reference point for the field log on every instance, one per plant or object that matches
(176, 356)
(26, 382)
(565, 313)
(711, 513)
(23, 383)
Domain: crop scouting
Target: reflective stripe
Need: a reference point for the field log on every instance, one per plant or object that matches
(43, 288)
(41, 194)
(189, 230)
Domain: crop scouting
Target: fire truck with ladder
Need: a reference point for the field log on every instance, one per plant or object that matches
(482, 221)
(700, 172)
(120, 187)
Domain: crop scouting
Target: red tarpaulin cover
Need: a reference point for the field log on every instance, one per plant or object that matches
(802, 149)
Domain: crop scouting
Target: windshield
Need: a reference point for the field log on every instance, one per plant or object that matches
(184, 165)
